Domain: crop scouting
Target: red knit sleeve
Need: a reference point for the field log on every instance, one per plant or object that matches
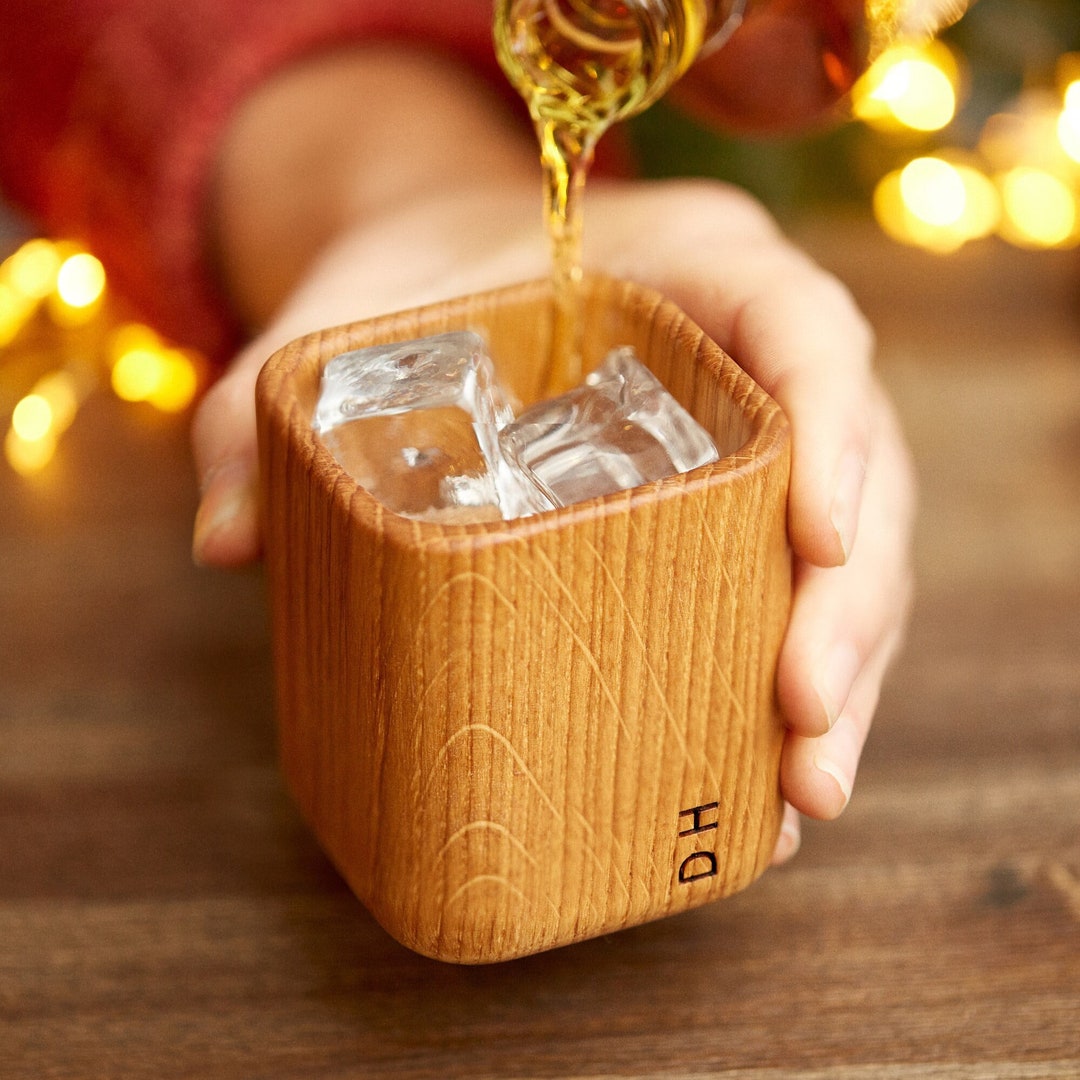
(112, 112)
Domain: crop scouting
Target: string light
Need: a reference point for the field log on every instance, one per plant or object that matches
(1022, 184)
(145, 369)
(40, 418)
(31, 270)
(1039, 209)
(909, 86)
(79, 290)
(80, 280)
(937, 204)
(28, 456)
(59, 288)
(15, 311)
(1068, 125)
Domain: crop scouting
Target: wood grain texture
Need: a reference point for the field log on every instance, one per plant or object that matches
(514, 735)
(165, 914)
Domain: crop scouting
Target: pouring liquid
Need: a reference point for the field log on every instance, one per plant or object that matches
(583, 65)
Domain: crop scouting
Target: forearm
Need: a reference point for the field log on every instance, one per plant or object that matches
(341, 138)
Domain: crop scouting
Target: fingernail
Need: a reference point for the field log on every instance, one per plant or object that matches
(787, 842)
(226, 497)
(847, 494)
(835, 677)
(836, 772)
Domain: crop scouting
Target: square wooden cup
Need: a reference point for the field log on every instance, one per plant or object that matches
(514, 735)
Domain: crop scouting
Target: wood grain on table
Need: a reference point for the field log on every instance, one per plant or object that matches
(164, 913)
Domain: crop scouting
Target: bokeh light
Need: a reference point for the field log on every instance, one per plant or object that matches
(28, 456)
(15, 310)
(1068, 125)
(32, 418)
(54, 295)
(933, 191)
(937, 204)
(39, 419)
(909, 86)
(1039, 209)
(179, 382)
(80, 280)
(146, 369)
(31, 270)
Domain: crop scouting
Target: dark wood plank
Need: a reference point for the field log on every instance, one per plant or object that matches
(164, 913)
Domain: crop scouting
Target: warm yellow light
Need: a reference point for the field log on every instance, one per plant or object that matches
(47, 411)
(1068, 125)
(27, 456)
(179, 380)
(131, 336)
(1039, 209)
(982, 204)
(62, 392)
(32, 418)
(909, 86)
(80, 280)
(927, 101)
(897, 221)
(146, 369)
(1068, 132)
(138, 374)
(15, 309)
(969, 210)
(933, 191)
(32, 269)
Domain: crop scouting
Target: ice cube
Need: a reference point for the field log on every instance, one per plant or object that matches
(416, 423)
(450, 369)
(619, 429)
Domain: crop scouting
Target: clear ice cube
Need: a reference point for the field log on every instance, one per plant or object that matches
(425, 427)
(416, 423)
(619, 429)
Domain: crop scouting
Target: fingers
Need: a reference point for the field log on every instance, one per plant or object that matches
(850, 512)
(226, 532)
(793, 327)
(787, 843)
(799, 334)
(843, 616)
(797, 331)
(817, 775)
(847, 624)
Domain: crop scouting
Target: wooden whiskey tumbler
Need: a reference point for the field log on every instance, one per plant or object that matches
(513, 735)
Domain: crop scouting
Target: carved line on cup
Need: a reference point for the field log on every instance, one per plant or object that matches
(586, 652)
(484, 825)
(498, 737)
(445, 587)
(589, 846)
(654, 678)
(496, 879)
(716, 669)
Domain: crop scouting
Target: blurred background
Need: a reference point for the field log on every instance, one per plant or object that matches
(972, 135)
(969, 141)
(163, 906)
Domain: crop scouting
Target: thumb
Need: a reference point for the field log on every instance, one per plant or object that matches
(226, 532)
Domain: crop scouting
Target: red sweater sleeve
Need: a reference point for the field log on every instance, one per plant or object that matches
(112, 111)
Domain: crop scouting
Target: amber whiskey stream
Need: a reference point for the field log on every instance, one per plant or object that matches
(581, 67)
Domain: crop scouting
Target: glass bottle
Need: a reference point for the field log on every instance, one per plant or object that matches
(583, 65)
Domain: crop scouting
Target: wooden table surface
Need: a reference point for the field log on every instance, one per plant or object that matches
(164, 913)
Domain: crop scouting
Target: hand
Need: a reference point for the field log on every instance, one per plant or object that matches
(792, 327)
(798, 333)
